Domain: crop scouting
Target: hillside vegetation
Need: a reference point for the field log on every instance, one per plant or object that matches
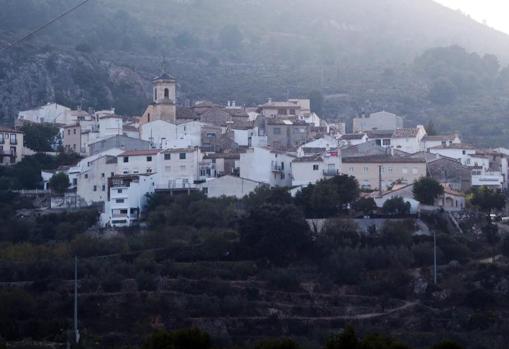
(361, 55)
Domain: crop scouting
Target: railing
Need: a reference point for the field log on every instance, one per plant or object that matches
(330, 173)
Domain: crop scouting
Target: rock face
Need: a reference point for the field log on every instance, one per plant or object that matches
(29, 78)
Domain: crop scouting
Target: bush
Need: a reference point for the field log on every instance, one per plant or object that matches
(398, 233)
(282, 280)
(396, 207)
(146, 281)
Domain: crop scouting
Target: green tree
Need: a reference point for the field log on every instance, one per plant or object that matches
(442, 92)
(40, 137)
(276, 232)
(59, 183)
(487, 199)
(447, 345)
(398, 233)
(430, 128)
(182, 339)
(264, 195)
(365, 205)
(426, 190)
(277, 344)
(345, 340)
(396, 207)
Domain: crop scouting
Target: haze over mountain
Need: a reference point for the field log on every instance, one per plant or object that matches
(359, 53)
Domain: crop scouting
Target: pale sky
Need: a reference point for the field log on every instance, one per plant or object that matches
(494, 12)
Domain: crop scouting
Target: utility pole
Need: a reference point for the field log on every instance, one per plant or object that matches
(434, 257)
(76, 330)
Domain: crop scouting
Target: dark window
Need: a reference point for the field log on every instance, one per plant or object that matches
(74, 131)
(86, 175)
(95, 187)
(103, 175)
(276, 131)
(126, 159)
(149, 158)
(103, 188)
(2, 141)
(68, 132)
(123, 211)
(13, 139)
(182, 156)
(155, 99)
(315, 167)
(120, 201)
(75, 181)
(167, 156)
(119, 191)
(166, 93)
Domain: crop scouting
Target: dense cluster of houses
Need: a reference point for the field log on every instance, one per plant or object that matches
(231, 150)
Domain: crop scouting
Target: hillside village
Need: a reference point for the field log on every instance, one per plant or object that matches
(232, 150)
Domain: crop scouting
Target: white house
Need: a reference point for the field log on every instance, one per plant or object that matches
(320, 145)
(408, 140)
(458, 151)
(44, 114)
(229, 186)
(93, 181)
(110, 125)
(267, 166)
(163, 134)
(178, 168)
(436, 141)
(377, 121)
(137, 162)
(351, 139)
(128, 196)
(481, 177)
(311, 169)
(403, 191)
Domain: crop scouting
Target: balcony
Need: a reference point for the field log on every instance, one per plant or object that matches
(330, 173)
(278, 168)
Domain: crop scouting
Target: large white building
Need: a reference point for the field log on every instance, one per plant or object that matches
(261, 164)
(311, 169)
(229, 186)
(408, 140)
(178, 168)
(48, 113)
(127, 198)
(377, 121)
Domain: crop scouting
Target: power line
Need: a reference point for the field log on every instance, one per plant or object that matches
(44, 26)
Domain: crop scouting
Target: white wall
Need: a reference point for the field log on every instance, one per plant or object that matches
(229, 186)
(257, 164)
(175, 172)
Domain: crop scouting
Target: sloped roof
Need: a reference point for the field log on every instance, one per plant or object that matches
(352, 136)
(439, 138)
(312, 158)
(147, 152)
(164, 76)
(382, 159)
(405, 133)
(455, 146)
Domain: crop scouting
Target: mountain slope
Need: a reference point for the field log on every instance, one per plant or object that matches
(359, 53)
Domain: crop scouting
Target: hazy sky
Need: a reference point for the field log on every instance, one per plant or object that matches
(494, 12)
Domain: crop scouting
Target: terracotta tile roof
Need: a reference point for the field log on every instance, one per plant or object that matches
(10, 130)
(313, 158)
(405, 133)
(383, 159)
(141, 152)
(455, 146)
(352, 136)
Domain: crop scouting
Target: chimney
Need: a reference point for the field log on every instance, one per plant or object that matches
(234, 104)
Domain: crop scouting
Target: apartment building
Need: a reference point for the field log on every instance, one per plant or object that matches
(11, 146)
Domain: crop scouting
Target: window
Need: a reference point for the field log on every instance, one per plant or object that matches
(282, 175)
(112, 174)
(86, 175)
(366, 169)
(155, 99)
(464, 152)
(120, 201)
(386, 142)
(167, 156)
(103, 188)
(315, 167)
(2, 141)
(103, 175)
(119, 191)
(75, 181)
(126, 159)
(149, 158)
(276, 130)
(68, 132)
(166, 93)
(74, 146)
(74, 131)
(182, 156)
(292, 111)
(124, 211)
(95, 187)
(149, 170)
(13, 139)
(205, 191)
(390, 169)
